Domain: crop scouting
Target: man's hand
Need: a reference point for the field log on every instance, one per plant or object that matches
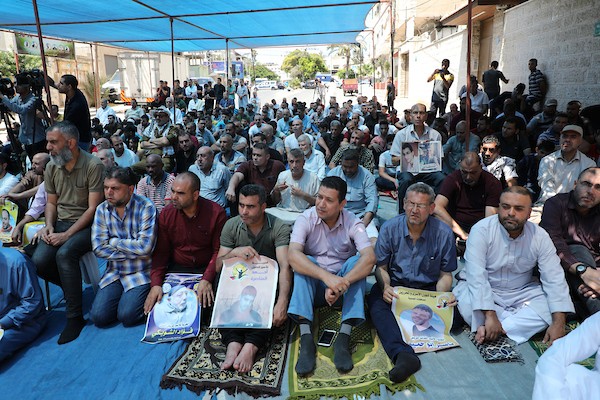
(490, 330)
(591, 279)
(555, 331)
(587, 291)
(452, 301)
(337, 284)
(280, 312)
(153, 297)
(43, 234)
(280, 187)
(328, 155)
(230, 194)
(57, 239)
(17, 234)
(389, 294)
(331, 296)
(205, 293)
(245, 252)
(296, 191)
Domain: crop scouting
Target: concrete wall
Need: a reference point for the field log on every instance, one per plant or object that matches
(560, 34)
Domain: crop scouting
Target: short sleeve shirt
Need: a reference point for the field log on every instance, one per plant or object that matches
(466, 204)
(330, 247)
(73, 188)
(275, 233)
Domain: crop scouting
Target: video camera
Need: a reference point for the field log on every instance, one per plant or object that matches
(7, 87)
(36, 79)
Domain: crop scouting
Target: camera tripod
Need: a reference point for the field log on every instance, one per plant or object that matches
(18, 154)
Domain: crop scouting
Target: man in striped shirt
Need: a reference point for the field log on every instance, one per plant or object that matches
(123, 233)
(157, 184)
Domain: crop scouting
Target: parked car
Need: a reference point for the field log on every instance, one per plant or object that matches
(310, 84)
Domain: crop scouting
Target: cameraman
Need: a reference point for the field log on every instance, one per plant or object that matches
(77, 110)
(32, 133)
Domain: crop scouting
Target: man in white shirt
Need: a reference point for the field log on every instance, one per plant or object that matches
(314, 159)
(134, 112)
(122, 155)
(175, 113)
(295, 191)
(416, 132)
(104, 111)
(500, 166)
(7, 181)
(497, 292)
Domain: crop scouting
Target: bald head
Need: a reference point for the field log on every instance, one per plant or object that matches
(470, 168)
(267, 130)
(102, 143)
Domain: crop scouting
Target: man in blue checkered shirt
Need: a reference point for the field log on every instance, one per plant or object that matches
(123, 233)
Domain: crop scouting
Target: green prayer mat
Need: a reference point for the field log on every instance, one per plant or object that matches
(371, 365)
(540, 347)
(199, 366)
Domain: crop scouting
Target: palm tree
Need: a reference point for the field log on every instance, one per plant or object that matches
(341, 50)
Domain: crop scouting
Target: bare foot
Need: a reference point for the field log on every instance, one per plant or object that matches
(233, 349)
(245, 360)
(480, 335)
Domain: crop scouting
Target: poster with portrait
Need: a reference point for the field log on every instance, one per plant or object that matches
(238, 303)
(421, 157)
(177, 315)
(8, 213)
(424, 319)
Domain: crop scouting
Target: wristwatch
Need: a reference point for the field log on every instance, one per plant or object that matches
(581, 268)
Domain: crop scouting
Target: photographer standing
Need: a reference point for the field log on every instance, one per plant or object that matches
(443, 79)
(77, 110)
(32, 133)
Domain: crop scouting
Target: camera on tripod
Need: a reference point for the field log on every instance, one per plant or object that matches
(35, 78)
(6, 87)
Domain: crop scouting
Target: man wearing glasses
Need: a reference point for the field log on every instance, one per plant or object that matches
(572, 220)
(413, 250)
(416, 132)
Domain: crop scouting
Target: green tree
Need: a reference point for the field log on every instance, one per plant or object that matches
(303, 65)
(262, 71)
(8, 68)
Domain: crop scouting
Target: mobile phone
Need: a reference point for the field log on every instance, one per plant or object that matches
(327, 338)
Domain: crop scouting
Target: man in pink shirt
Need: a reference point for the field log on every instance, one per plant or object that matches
(327, 270)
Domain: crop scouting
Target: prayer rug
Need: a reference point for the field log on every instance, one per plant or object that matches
(371, 365)
(199, 366)
(540, 347)
(502, 349)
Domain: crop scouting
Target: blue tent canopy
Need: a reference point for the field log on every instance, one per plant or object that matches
(197, 25)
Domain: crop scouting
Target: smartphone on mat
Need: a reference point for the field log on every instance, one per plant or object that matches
(327, 338)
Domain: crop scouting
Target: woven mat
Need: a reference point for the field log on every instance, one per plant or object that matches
(199, 366)
(371, 365)
(540, 347)
(502, 349)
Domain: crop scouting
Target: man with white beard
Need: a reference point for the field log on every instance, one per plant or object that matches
(74, 185)
(314, 159)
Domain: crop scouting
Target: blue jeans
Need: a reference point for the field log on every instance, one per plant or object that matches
(112, 304)
(310, 292)
(16, 338)
(64, 259)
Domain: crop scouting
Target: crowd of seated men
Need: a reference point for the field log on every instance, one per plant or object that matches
(180, 188)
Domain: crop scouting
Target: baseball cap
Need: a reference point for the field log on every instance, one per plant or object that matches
(551, 102)
(161, 110)
(573, 128)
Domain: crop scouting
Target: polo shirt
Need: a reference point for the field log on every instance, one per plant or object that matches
(73, 188)
(274, 233)
(214, 184)
(466, 204)
(266, 178)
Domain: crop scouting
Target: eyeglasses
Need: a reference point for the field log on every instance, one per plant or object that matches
(590, 185)
(410, 205)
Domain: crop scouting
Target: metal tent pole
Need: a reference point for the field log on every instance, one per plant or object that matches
(43, 55)
(172, 57)
(468, 98)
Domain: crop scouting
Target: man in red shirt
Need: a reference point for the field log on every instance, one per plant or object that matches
(188, 239)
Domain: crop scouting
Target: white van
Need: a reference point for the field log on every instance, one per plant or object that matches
(266, 85)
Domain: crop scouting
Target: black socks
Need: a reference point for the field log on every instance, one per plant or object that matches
(307, 358)
(406, 365)
(72, 330)
(342, 358)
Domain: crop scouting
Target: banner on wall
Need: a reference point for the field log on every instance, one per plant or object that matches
(30, 45)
